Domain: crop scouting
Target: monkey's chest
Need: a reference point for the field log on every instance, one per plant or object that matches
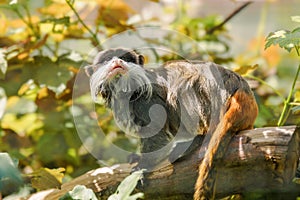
(144, 117)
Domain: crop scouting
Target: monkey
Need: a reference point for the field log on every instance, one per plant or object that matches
(192, 98)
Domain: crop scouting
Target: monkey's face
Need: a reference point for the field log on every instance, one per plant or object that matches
(118, 73)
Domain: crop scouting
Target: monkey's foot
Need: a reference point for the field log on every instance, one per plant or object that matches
(133, 158)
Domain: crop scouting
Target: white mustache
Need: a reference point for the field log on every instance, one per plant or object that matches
(134, 79)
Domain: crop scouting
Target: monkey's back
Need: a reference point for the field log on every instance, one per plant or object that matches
(202, 89)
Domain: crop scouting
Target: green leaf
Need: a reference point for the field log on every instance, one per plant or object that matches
(10, 177)
(57, 21)
(285, 39)
(127, 186)
(79, 192)
(20, 105)
(46, 178)
(62, 20)
(44, 71)
(57, 150)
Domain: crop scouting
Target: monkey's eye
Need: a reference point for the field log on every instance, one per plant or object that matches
(128, 58)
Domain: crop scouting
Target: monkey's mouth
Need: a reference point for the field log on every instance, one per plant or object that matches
(116, 70)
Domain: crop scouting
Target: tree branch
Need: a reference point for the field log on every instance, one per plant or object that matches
(260, 161)
(235, 12)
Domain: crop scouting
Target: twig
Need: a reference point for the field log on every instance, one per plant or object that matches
(94, 36)
(267, 84)
(235, 12)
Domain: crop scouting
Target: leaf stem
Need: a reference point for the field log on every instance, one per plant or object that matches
(295, 104)
(267, 84)
(29, 22)
(94, 36)
(297, 50)
(286, 107)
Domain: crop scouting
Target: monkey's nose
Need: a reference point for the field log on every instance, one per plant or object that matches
(117, 61)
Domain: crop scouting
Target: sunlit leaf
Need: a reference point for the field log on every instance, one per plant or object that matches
(297, 96)
(295, 18)
(74, 31)
(20, 105)
(243, 70)
(21, 125)
(45, 178)
(29, 89)
(3, 25)
(79, 192)
(285, 39)
(3, 64)
(127, 186)
(3, 100)
(114, 15)
(13, 2)
(57, 24)
(57, 9)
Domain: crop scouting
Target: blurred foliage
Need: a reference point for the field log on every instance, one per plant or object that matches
(288, 40)
(79, 192)
(43, 45)
(127, 186)
(10, 177)
(45, 178)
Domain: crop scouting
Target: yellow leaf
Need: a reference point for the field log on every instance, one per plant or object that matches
(17, 23)
(114, 14)
(3, 24)
(21, 125)
(45, 178)
(245, 69)
(57, 9)
(24, 88)
(74, 31)
(297, 96)
(46, 28)
(57, 37)
(43, 93)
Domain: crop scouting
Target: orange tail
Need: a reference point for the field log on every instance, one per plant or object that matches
(240, 115)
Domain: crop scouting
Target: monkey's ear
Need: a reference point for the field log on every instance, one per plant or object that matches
(89, 70)
(141, 60)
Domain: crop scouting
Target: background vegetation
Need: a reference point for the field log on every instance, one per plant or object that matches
(44, 44)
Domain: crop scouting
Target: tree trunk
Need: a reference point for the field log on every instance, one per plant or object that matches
(262, 160)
